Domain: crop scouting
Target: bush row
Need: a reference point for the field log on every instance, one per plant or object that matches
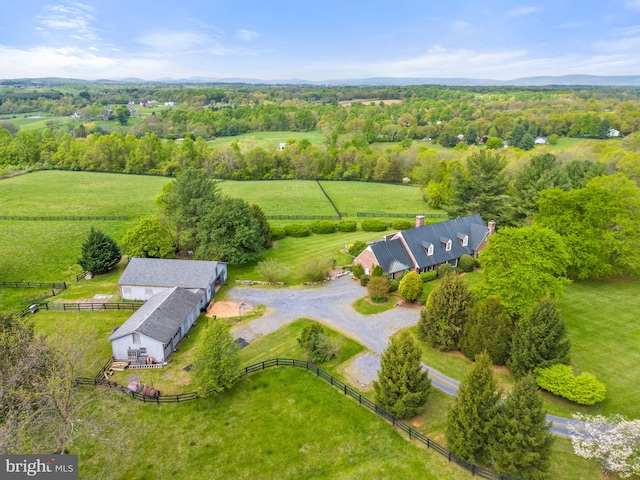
(329, 226)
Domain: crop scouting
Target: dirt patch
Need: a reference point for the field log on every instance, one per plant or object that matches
(97, 298)
(224, 309)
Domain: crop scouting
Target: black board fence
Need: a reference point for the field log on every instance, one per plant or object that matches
(92, 307)
(334, 382)
(53, 285)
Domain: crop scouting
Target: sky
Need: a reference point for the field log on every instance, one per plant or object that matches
(318, 40)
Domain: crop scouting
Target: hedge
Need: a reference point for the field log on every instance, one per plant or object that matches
(297, 230)
(585, 389)
(428, 276)
(374, 225)
(347, 225)
(402, 224)
(277, 232)
(323, 226)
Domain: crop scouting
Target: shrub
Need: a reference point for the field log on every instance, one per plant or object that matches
(428, 276)
(357, 270)
(467, 263)
(393, 285)
(271, 270)
(356, 248)
(377, 271)
(374, 225)
(316, 269)
(585, 389)
(364, 280)
(323, 226)
(445, 269)
(402, 224)
(316, 342)
(277, 232)
(347, 225)
(410, 286)
(297, 230)
(378, 287)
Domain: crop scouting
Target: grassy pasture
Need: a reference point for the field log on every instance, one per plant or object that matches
(266, 140)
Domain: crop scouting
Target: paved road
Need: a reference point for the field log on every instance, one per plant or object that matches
(331, 304)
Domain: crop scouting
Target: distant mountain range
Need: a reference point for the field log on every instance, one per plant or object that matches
(564, 80)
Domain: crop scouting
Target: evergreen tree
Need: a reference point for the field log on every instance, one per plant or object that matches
(443, 318)
(217, 364)
(527, 142)
(402, 387)
(540, 340)
(316, 343)
(472, 418)
(523, 438)
(100, 252)
(488, 329)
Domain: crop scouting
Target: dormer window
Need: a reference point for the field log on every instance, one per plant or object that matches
(464, 239)
(428, 248)
(446, 243)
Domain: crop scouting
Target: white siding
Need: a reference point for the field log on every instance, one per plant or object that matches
(137, 292)
(120, 346)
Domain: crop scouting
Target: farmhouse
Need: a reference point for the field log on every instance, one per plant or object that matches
(175, 292)
(425, 247)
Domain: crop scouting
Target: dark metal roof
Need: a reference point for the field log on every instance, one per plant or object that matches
(439, 234)
(159, 272)
(391, 256)
(161, 316)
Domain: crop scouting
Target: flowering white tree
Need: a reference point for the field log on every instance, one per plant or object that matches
(612, 441)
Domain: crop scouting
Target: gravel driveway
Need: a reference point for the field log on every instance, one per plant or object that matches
(330, 304)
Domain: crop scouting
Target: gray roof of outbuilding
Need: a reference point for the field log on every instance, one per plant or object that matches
(160, 316)
(159, 272)
(473, 226)
(392, 256)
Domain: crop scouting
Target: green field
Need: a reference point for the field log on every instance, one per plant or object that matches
(267, 140)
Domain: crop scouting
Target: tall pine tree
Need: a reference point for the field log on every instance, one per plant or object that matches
(443, 318)
(472, 418)
(540, 340)
(402, 387)
(523, 438)
(100, 252)
(488, 329)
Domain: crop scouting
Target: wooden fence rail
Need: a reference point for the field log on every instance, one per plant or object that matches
(92, 307)
(54, 285)
(63, 217)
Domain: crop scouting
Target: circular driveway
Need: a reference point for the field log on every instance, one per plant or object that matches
(329, 303)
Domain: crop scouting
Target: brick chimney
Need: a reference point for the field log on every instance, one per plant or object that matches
(419, 221)
(492, 227)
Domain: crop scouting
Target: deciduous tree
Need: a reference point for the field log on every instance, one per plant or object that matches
(403, 386)
(149, 238)
(523, 265)
(612, 441)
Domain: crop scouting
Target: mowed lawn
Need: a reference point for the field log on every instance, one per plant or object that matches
(266, 140)
(603, 325)
(281, 197)
(353, 197)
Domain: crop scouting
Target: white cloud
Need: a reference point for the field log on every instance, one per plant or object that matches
(246, 35)
(74, 18)
(632, 4)
(522, 11)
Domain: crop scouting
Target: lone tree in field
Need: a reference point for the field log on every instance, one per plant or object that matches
(488, 329)
(100, 252)
(411, 286)
(402, 387)
(446, 312)
(216, 366)
(540, 340)
(523, 437)
(473, 417)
